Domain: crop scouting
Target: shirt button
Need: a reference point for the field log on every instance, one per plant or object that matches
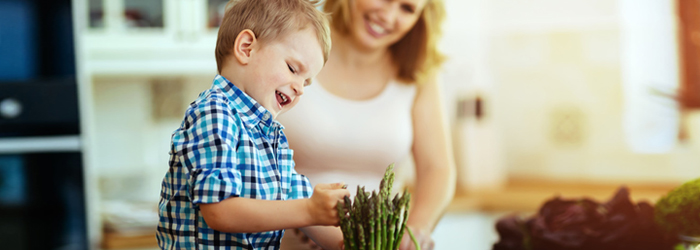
(266, 116)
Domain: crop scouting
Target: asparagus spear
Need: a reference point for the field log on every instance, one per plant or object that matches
(365, 215)
(390, 183)
(361, 233)
(385, 222)
(341, 213)
(377, 220)
(350, 224)
(387, 182)
(413, 238)
(391, 225)
(407, 203)
(358, 198)
(403, 203)
(370, 221)
(343, 223)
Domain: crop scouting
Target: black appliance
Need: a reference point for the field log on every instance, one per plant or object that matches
(42, 192)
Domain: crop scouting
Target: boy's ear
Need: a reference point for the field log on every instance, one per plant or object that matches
(243, 46)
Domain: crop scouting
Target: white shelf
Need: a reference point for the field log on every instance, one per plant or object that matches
(155, 67)
(40, 144)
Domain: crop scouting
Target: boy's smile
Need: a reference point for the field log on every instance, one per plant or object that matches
(282, 99)
(274, 73)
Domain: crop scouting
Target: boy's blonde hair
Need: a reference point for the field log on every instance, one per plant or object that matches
(416, 53)
(269, 20)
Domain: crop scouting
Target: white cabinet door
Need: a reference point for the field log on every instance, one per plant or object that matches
(207, 18)
(148, 37)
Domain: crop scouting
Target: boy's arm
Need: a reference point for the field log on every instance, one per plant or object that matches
(244, 215)
(239, 215)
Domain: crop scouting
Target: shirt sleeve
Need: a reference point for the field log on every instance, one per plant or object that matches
(206, 145)
(299, 185)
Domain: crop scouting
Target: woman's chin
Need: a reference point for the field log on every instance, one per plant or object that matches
(371, 43)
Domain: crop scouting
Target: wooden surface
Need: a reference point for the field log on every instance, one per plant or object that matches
(528, 195)
(121, 241)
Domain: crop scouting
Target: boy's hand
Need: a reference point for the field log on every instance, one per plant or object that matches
(323, 203)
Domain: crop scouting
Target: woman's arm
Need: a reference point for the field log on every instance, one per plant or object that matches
(433, 157)
(328, 238)
(244, 215)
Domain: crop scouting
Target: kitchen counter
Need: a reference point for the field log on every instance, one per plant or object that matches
(470, 218)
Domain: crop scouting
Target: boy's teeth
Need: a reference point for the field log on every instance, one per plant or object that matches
(284, 97)
(376, 28)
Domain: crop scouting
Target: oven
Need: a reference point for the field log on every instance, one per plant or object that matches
(42, 204)
(42, 191)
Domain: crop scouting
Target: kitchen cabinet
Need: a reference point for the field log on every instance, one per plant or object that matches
(150, 36)
(133, 58)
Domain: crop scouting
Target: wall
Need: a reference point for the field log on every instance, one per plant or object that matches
(555, 76)
(552, 74)
(133, 135)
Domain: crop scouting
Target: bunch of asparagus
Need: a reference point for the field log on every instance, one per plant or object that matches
(375, 221)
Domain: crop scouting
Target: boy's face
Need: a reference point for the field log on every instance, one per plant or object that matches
(278, 71)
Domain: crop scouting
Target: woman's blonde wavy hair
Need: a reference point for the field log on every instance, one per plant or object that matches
(416, 53)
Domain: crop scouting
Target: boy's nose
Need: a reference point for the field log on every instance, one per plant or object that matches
(298, 88)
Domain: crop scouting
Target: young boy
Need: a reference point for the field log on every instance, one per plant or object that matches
(231, 182)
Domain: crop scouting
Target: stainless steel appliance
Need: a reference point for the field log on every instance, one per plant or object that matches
(42, 201)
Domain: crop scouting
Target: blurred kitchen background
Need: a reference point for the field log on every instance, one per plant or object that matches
(544, 97)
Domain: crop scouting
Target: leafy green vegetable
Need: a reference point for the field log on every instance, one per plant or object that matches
(678, 212)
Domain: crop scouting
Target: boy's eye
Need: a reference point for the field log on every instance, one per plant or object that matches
(290, 68)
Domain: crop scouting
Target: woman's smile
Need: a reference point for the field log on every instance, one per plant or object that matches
(374, 28)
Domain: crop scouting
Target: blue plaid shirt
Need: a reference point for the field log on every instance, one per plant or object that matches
(227, 146)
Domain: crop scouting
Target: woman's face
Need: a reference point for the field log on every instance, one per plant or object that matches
(378, 24)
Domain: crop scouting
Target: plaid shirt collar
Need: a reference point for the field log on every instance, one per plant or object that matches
(251, 112)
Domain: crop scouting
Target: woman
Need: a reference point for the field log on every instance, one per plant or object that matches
(376, 102)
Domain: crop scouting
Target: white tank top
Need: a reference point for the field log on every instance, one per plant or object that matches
(336, 139)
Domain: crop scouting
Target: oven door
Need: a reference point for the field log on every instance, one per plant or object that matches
(42, 204)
